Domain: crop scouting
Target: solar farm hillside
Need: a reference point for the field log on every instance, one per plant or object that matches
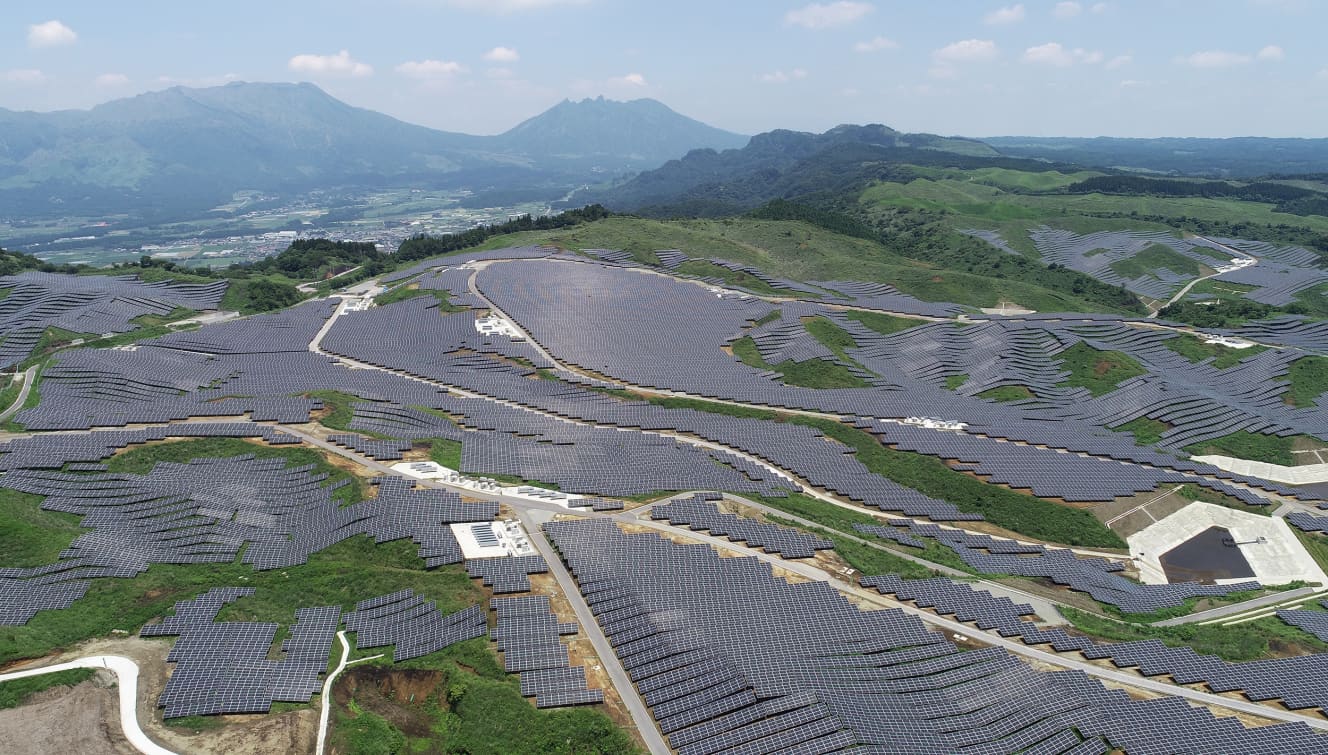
(946, 470)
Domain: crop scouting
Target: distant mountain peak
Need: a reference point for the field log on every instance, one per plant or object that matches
(644, 131)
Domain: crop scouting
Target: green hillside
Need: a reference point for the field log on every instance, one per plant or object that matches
(801, 251)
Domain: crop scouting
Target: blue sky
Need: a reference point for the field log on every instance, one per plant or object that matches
(1119, 68)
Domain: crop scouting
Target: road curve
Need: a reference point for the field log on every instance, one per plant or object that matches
(126, 672)
(29, 375)
(327, 690)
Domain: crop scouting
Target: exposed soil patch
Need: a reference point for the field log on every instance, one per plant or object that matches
(83, 719)
(397, 695)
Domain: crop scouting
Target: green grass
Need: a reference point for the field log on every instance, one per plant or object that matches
(30, 536)
(1316, 545)
(15, 693)
(365, 733)
(341, 406)
(1153, 257)
(1253, 446)
(1240, 642)
(954, 382)
(350, 571)
(1198, 493)
(867, 560)
(705, 269)
(412, 291)
(474, 708)
(813, 373)
(142, 459)
(1003, 507)
(446, 452)
(1196, 350)
(1309, 381)
(799, 251)
(1146, 431)
(1098, 371)
(10, 392)
(1006, 393)
(971, 202)
(34, 397)
(842, 520)
(883, 323)
(768, 318)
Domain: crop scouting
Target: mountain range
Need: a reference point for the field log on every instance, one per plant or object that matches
(188, 149)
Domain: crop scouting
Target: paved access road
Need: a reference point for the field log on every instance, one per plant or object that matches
(126, 673)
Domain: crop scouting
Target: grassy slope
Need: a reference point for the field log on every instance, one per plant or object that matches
(1098, 371)
(798, 251)
(1253, 446)
(15, 693)
(1309, 380)
(30, 536)
(1196, 350)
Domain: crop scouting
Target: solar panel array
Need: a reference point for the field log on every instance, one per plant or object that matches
(93, 304)
(211, 511)
(374, 448)
(527, 632)
(731, 658)
(1096, 576)
(1296, 682)
(1314, 622)
(700, 513)
(413, 625)
(224, 667)
(507, 574)
(1095, 254)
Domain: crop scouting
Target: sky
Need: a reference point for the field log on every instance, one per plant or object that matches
(1073, 68)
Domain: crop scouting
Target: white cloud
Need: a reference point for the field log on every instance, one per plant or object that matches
(430, 69)
(1322, 75)
(1214, 59)
(23, 76)
(504, 7)
(967, 51)
(341, 64)
(826, 15)
(1100, 8)
(1119, 61)
(874, 44)
(502, 55)
(779, 77)
(50, 34)
(1271, 52)
(1067, 9)
(631, 80)
(1054, 54)
(111, 80)
(1007, 15)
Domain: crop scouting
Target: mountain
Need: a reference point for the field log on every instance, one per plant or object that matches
(790, 164)
(186, 149)
(1240, 157)
(644, 133)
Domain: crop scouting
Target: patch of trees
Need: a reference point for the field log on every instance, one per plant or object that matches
(312, 259)
(1224, 313)
(422, 246)
(13, 263)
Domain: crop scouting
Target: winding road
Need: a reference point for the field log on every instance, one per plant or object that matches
(126, 673)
